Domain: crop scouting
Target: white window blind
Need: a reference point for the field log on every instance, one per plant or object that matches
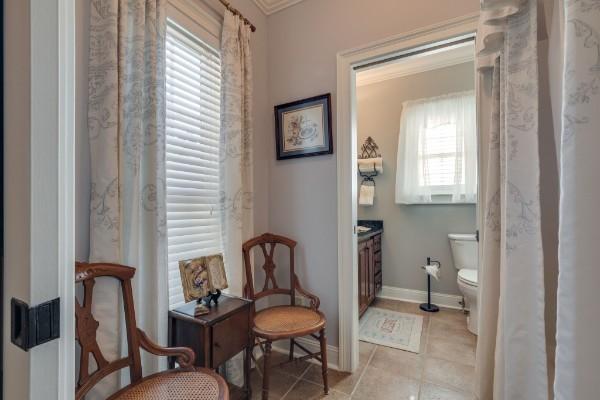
(437, 150)
(193, 81)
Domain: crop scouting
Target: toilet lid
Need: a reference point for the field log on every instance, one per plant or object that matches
(468, 276)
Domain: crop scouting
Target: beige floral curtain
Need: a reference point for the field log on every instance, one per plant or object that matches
(235, 159)
(126, 123)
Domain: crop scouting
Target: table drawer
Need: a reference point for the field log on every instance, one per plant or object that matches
(229, 337)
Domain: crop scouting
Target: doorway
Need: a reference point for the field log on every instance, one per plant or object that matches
(350, 65)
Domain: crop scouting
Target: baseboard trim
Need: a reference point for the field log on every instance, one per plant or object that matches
(420, 296)
(313, 346)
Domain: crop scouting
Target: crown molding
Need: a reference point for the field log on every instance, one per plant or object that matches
(416, 64)
(272, 6)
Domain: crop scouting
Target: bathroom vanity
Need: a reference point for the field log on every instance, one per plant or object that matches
(369, 262)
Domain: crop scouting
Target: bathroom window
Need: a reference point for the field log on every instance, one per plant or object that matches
(193, 80)
(437, 150)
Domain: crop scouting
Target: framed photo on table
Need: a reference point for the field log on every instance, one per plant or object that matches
(303, 128)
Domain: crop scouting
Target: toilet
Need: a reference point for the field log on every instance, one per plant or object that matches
(464, 254)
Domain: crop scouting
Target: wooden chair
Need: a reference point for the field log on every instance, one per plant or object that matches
(283, 322)
(185, 382)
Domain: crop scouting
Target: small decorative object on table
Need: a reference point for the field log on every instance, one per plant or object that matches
(202, 279)
(303, 128)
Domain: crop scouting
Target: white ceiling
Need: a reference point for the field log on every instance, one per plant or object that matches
(441, 58)
(272, 6)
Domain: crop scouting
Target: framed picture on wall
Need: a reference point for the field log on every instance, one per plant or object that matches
(303, 128)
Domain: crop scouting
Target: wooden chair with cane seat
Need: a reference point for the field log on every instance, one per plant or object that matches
(283, 322)
(183, 383)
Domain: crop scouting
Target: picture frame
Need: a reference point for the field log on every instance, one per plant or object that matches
(303, 128)
(202, 276)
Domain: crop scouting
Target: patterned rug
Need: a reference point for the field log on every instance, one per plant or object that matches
(392, 329)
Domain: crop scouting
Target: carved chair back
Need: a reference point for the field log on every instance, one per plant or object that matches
(87, 327)
(267, 243)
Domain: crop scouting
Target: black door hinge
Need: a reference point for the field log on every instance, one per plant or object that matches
(32, 326)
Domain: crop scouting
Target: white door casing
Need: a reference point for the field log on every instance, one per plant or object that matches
(346, 167)
(39, 189)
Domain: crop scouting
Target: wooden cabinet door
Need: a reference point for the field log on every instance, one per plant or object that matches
(371, 272)
(363, 263)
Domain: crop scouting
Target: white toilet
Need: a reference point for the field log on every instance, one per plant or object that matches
(464, 254)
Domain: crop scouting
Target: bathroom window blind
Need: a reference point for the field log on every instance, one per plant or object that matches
(193, 81)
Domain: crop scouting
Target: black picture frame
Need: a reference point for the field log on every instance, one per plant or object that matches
(321, 129)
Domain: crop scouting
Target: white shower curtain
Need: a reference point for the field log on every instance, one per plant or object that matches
(578, 321)
(511, 350)
(126, 123)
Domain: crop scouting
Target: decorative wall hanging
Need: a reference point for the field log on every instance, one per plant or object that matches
(370, 164)
(303, 128)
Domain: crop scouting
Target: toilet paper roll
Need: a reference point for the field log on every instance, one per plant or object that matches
(433, 270)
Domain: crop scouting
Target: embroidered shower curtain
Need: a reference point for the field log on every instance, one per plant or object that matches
(511, 350)
(126, 123)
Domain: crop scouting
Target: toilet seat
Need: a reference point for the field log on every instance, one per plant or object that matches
(468, 276)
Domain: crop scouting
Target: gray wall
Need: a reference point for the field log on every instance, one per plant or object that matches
(411, 232)
(303, 42)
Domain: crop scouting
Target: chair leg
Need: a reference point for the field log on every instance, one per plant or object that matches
(266, 371)
(323, 341)
(291, 349)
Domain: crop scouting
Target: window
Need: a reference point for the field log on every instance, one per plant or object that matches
(437, 150)
(193, 79)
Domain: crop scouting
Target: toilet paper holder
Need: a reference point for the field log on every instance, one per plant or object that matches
(428, 306)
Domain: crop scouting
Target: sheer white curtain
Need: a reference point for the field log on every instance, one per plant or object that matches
(437, 150)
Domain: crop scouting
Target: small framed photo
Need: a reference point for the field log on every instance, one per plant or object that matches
(202, 276)
(303, 128)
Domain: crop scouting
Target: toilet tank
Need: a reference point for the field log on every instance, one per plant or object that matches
(464, 250)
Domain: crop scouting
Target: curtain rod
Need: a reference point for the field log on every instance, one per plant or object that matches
(236, 12)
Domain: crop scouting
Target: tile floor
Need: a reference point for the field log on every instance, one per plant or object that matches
(443, 370)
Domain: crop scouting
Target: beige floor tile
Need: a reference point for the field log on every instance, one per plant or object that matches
(451, 351)
(344, 382)
(434, 392)
(449, 315)
(452, 332)
(279, 384)
(449, 374)
(399, 362)
(294, 368)
(365, 350)
(304, 390)
(378, 384)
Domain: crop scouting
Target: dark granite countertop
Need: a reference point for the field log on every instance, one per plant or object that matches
(376, 228)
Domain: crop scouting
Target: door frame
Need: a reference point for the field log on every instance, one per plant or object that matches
(40, 234)
(347, 169)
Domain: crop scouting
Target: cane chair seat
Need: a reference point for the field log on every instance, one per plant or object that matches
(174, 386)
(287, 321)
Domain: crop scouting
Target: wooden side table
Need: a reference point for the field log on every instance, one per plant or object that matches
(215, 337)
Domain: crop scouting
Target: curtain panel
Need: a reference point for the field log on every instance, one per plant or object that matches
(235, 158)
(437, 150)
(578, 325)
(126, 123)
(511, 361)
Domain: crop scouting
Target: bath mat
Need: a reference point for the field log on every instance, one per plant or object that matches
(392, 329)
